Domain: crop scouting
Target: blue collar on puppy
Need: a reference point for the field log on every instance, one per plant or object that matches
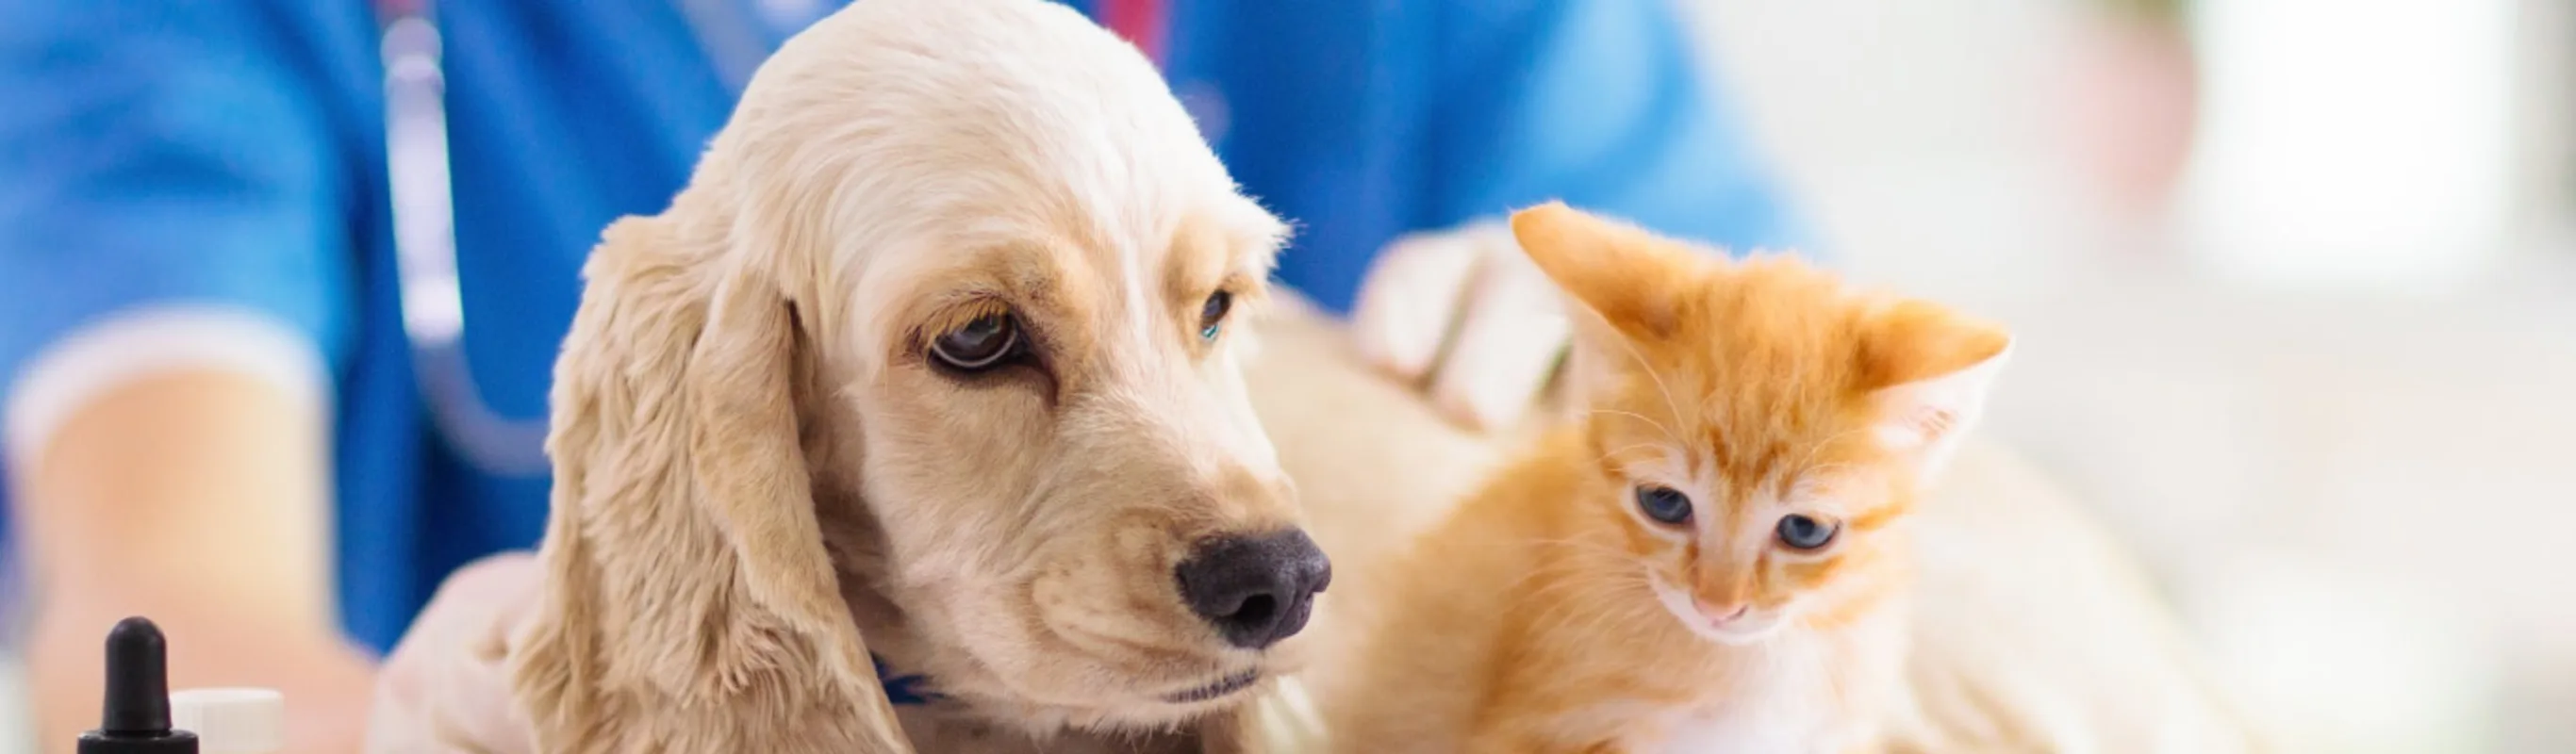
(903, 690)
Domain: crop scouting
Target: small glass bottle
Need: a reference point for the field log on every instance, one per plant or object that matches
(232, 720)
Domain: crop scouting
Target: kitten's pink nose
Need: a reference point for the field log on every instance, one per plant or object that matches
(1722, 615)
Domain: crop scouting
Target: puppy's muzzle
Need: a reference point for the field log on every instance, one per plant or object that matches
(1258, 589)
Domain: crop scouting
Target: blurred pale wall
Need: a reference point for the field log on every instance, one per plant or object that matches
(2331, 394)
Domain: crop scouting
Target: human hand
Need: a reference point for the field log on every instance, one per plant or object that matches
(447, 686)
(1465, 314)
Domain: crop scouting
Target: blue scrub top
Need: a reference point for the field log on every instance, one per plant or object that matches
(232, 153)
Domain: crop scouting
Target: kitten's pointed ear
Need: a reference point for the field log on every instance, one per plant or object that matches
(1928, 372)
(1625, 274)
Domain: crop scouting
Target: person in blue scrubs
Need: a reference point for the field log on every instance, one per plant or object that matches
(216, 413)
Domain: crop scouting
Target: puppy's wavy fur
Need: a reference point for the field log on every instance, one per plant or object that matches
(763, 478)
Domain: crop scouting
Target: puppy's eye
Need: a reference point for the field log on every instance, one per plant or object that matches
(1803, 533)
(1664, 504)
(975, 346)
(1212, 315)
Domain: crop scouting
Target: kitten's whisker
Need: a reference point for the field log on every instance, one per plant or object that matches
(1584, 546)
(1812, 450)
(1606, 456)
(1649, 369)
(1612, 611)
(1616, 585)
(1601, 602)
(1659, 426)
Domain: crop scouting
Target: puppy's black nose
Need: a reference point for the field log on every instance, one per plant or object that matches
(1256, 590)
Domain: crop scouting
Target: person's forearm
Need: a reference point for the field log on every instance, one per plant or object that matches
(198, 499)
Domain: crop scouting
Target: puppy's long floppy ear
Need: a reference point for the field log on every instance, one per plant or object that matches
(690, 603)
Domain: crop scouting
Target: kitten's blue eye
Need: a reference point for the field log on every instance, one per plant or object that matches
(1212, 315)
(1664, 504)
(1803, 533)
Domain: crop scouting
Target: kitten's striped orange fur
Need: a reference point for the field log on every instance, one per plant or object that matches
(1553, 612)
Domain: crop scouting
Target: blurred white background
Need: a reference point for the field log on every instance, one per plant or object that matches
(2297, 300)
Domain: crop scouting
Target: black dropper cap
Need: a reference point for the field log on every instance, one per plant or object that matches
(137, 718)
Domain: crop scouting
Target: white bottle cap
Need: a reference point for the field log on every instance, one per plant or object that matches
(231, 721)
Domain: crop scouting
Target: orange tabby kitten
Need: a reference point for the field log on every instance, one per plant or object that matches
(1713, 558)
